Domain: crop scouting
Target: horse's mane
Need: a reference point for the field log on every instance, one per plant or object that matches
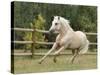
(65, 22)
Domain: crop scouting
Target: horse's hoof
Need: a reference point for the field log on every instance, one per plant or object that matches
(71, 62)
(39, 62)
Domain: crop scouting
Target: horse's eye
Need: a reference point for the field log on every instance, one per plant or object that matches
(56, 23)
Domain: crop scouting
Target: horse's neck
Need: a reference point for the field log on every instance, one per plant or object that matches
(65, 30)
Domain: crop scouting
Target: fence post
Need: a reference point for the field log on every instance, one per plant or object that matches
(33, 39)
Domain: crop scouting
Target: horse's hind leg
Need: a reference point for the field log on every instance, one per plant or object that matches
(74, 56)
(73, 51)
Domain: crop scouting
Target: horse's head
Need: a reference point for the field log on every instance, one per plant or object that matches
(56, 25)
(60, 25)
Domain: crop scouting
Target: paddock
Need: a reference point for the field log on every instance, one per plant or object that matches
(27, 65)
(27, 62)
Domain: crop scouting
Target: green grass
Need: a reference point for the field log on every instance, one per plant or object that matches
(28, 65)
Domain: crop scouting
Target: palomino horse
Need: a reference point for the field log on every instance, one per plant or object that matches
(67, 38)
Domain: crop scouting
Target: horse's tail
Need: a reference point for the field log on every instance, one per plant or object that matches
(84, 49)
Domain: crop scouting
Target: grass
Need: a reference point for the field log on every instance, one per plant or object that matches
(28, 65)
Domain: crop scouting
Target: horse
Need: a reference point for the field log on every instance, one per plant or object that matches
(66, 38)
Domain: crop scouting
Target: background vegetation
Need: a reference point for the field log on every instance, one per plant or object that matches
(83, 18)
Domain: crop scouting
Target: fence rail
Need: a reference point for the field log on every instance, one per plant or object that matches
(42, 54)
(42, 31)
(38, 42)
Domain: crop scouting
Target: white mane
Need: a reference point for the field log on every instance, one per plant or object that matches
(63, 19)
(66, 23)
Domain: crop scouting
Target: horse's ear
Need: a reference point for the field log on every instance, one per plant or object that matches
(58, 17)
(52, 18)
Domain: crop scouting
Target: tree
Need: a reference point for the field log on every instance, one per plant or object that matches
(38, 23)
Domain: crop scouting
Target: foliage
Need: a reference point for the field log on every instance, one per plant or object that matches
(82, 18)
(39, 24)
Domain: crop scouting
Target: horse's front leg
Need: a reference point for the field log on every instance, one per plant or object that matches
(57, 53)
(53, 48)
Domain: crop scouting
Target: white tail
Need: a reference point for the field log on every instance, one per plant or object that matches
(85, 48)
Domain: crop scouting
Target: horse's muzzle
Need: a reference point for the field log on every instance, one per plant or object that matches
(51, 31)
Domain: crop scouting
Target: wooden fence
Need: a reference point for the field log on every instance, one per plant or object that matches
(37, 42)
